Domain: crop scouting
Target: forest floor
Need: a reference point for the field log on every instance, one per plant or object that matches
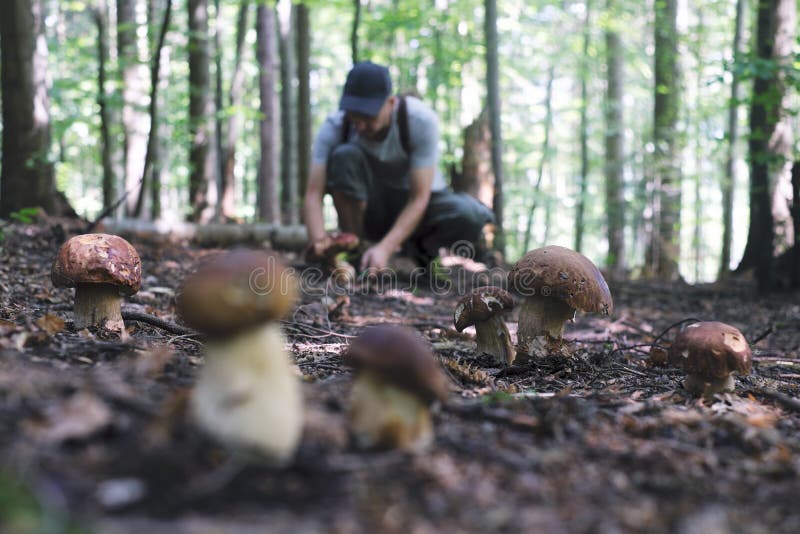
(94, 435)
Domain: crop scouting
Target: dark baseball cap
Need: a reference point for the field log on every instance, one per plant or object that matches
(367, 87)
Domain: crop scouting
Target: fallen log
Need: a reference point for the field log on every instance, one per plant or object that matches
(292, 237)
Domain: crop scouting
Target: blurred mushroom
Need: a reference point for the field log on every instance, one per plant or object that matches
(247, 394)
(101, 268)
(710, 352)
(397, 380)
(554, 282)
(484, 307)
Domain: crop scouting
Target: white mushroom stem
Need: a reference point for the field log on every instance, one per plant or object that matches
(384, 416)
(493, 338)
(700, 385)
(98, 305)
(247, 394)
(540, 316)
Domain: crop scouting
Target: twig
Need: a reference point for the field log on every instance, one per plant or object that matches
(158, 322)
(783, 399)
(763, 334)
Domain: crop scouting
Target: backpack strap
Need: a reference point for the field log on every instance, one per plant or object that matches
(402, 124)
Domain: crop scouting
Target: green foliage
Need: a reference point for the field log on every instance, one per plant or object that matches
(22, 513)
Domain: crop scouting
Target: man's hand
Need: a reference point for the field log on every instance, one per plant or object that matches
(316, 249)
(376, 257)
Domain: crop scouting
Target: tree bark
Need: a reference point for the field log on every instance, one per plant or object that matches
(476, 177)
(664, 248)
(354, 31)
(202, 185)
(729, 180)
(289, 197)
(768, 136)
(27, 175)
(493, 107)
(228, 188)
(303, 53)
(583, 181)
(133, 76)
(614, 151)
(107, 149)
(268, 208)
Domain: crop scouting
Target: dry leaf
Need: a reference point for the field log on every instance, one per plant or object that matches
(52, 324)
(76, 418)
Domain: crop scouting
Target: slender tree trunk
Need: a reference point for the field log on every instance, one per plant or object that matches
(101, 20)
(133, 74)
(151, 156)
(354, 31)
(219, 105)
(202, 185)
(493, 106)
(580, 208)
(303, 52)
(729, 180)
(664, 250)
(27, 178)
(268, 208)
(228, 191)
(548, 122)
(775, 30)
(476, 176)
(614, 150)
(289, 197)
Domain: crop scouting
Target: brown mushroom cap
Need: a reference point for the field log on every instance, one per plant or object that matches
(236, 290)
(98, 259)
(564, 274)
(481, 304)
(399, 356)
(711, 349)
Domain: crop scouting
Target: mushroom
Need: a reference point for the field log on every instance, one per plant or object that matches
(710, 352)
(101, 268)
(483, 307)
(247, 394)
(555, 282)
(397, 380)
(329, 251)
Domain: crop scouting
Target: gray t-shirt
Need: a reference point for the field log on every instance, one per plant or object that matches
(423, 137)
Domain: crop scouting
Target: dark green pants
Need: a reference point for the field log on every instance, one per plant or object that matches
(449, 218)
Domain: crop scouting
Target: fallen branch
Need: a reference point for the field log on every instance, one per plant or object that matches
(158, 323)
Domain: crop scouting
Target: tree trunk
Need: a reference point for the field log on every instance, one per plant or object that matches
(729, 180)
(493, 107)
(151, 156)
(767, 142)
(202, 185)
(268, 208)
(354, 31)
(27, 174)
(133, 77)
(583, 182)
(107, 149)
(228, 191)
(664, 248)
(476, 177)
(615, 151)
(289, 197)
(303, 52)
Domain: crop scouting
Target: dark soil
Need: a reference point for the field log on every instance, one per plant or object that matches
(94, 433)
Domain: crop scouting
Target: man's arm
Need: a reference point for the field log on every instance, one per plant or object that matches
(312, 203)
(407, 221)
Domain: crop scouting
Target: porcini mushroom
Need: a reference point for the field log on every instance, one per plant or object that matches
(329, 253)
(483, 307)
(247, 394)
(397, 380)
(710, 352)
(555, 282)
(102, 268)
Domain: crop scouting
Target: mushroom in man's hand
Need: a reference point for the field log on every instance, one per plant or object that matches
(554, 282)
(397, 380)
(102, 268)
(247, 394)
(483, 307)
(710, 353)
(329, 252)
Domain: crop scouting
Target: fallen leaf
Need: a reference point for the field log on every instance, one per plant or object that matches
(77, 418)
(52, 324)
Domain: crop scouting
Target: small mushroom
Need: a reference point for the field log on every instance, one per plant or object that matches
(247, 394)
(397, 380)
(555, 282)
(710, 352)
(329, 253)
(102, 268)
(484, 307)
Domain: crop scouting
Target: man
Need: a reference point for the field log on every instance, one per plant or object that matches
(384, 175)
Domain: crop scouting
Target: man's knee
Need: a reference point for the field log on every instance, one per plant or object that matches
(348, 171)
